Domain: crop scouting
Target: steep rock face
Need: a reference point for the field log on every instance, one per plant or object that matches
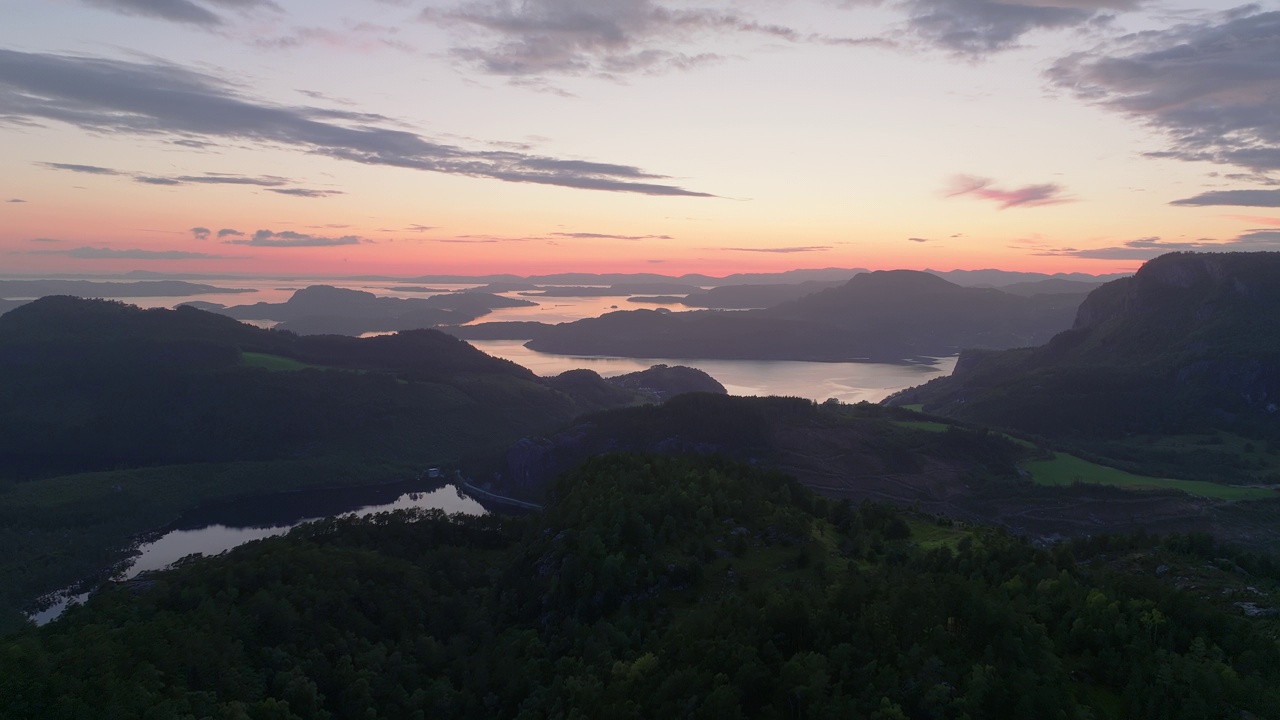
(1190, 341)
(1107, 302)
(1191, 288)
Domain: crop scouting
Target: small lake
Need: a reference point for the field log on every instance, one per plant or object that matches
(219, 528)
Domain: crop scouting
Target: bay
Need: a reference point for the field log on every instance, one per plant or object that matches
(219, 528)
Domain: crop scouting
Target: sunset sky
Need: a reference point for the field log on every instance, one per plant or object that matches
(405, 137)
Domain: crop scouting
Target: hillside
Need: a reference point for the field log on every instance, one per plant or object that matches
(893, 455)
(883, 316)
(655, 587)
(113, 420)
(1189, 346)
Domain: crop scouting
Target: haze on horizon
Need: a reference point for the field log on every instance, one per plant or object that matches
(404, 137)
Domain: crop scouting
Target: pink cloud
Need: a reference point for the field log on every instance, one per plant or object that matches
(1257, 220)
(1026, 196)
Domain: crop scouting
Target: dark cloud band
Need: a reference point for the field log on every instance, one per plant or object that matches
(1210, 87)
(167, 100)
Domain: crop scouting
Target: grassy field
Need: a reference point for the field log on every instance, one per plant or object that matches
(934, 426)
(1066, 469)
(929, 425)
(929, 535)
(274, 363)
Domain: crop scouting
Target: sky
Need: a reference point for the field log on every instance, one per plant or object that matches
(414, 137)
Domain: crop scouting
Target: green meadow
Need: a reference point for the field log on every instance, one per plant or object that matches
(275, 363)
(1064, 469)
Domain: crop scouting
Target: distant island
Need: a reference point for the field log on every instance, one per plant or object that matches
(327, 310)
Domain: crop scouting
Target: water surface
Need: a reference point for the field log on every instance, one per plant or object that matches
(219, 528)
(846, 382)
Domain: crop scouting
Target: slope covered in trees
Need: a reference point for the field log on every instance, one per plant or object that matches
(658, 587)
(113, 420)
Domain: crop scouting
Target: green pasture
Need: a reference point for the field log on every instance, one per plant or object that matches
(274, 363)
(1064, 469)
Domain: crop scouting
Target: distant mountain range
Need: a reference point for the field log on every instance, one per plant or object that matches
(885, 316)
(974, 278)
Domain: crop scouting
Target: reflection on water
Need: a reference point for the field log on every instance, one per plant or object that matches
(554, 310)
(215, 530)
(846, 382)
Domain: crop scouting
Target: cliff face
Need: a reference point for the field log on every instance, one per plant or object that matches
(1193, 288)
(1190, 341)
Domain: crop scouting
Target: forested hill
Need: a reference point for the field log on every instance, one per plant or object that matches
(658, 587)
(894, 455)
(96, 385)
(1188, 345)
(114, 420)
(885, 316)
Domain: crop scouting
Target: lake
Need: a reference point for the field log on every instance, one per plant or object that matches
(847, 382)
(219, 528)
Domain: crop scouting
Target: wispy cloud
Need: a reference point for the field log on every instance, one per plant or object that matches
(975, 28)
(783, 250)
(73, 167)
(1147, 248)
(166, 100)
(589, 37)
(360, 37)
(1210, 86)
(228, 232)
(290, 239)
(606, 236)
(92, 253)
(200, 233)
(45, 240)
(1242, 198)
(1257, 219)
(179, 11)
(266, 181)
(1025, 196)
(306, 192)
(226, 179)
(15, 200)
(918, 240)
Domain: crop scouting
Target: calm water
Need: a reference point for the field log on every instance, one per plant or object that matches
(847, 382)
(215, 530)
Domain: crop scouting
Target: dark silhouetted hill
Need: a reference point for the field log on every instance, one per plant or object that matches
(326, 310)
(886, 316)
(114, 420)
(1189, 344)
